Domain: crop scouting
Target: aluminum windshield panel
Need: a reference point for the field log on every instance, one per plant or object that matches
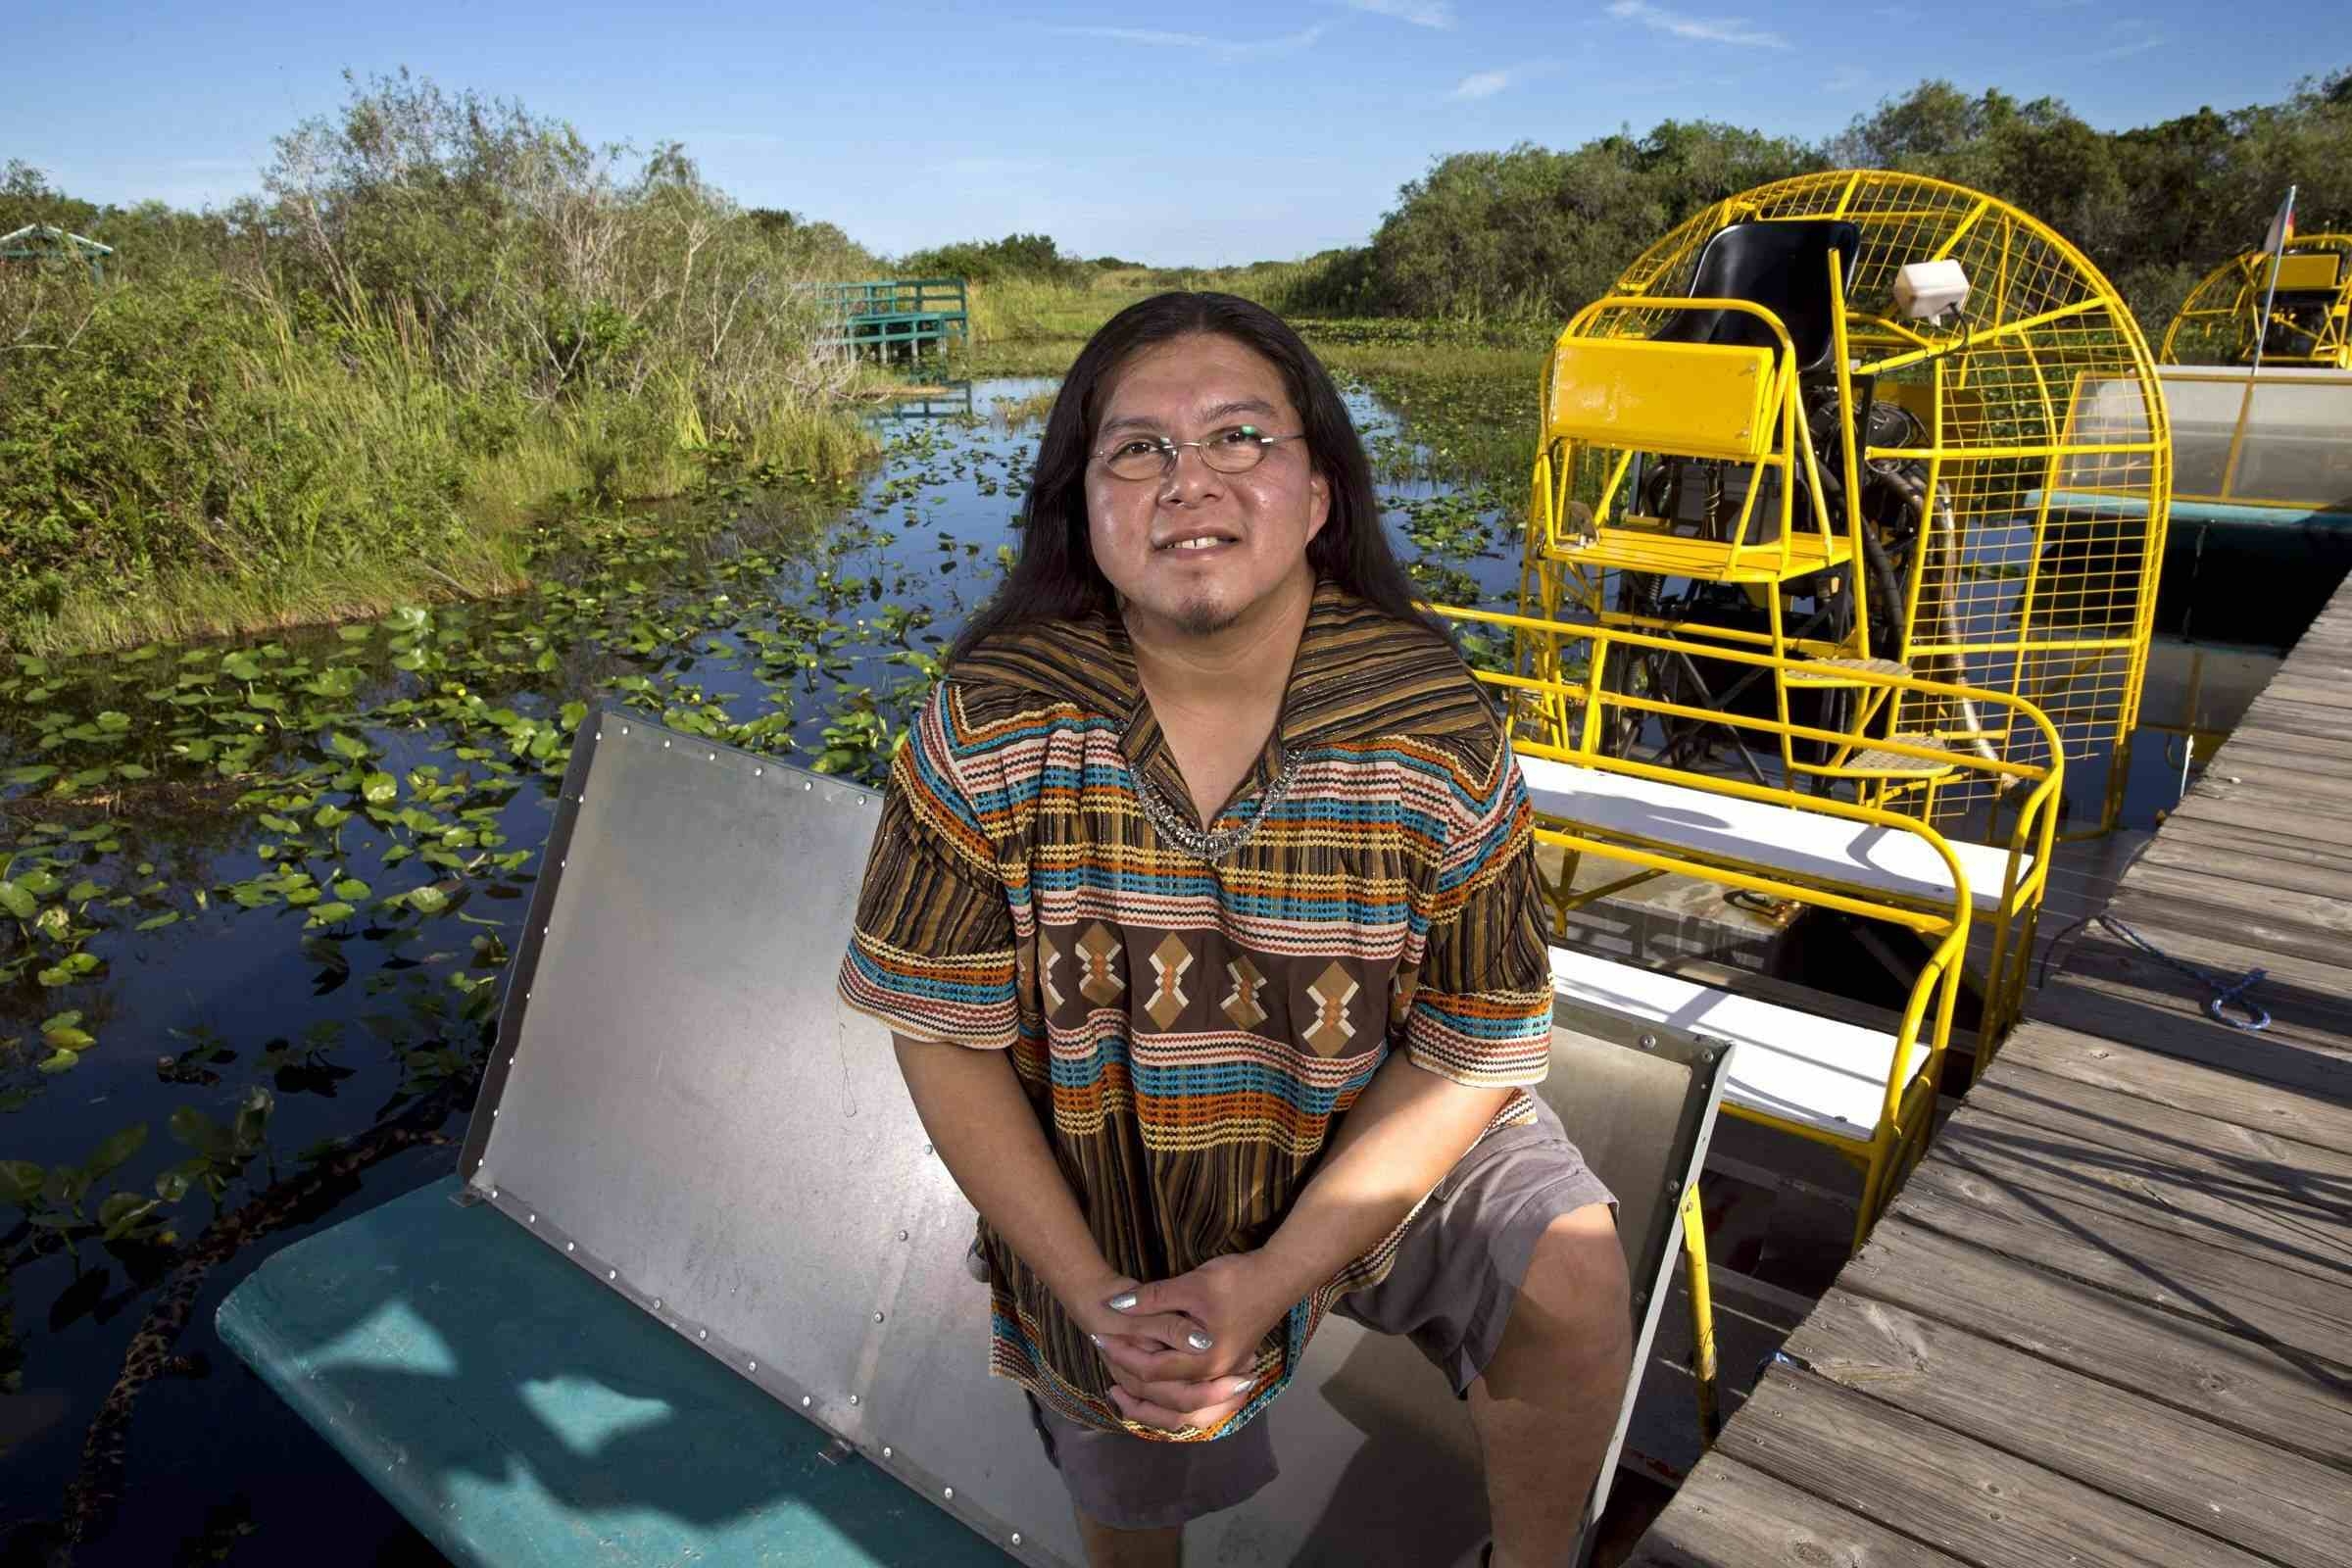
(690, 1114)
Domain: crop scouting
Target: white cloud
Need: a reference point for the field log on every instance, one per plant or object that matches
(1704, 29)
(1420, 13)
(1202, 43)
(2133, 35)
(1486, 83)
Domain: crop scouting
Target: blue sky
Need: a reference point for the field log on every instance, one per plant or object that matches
(1211, 131)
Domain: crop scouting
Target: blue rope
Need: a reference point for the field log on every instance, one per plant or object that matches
(2226, 993)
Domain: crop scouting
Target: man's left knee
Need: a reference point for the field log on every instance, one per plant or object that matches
(1575, 1287)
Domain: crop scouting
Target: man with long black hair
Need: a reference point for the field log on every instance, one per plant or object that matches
(1203, 915)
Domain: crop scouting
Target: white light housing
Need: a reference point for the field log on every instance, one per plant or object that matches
(1927, 291)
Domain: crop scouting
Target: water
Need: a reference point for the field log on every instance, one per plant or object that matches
(805, 631)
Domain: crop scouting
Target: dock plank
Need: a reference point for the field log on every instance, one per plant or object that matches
(2221, 947)
(2294, 916)
(2258, 755)
(2227, 839)
(2254, 868)
(2206, 1370)
(2157, 1263)
(2166, 1080)
(2123, 995)
(1962, 1496)
(1729, 1515)
(2232, 1207)
(2171, 1463)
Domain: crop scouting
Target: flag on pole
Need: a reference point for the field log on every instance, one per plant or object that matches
(2283, 226)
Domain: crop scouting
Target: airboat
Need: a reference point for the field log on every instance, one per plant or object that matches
(1836, 600)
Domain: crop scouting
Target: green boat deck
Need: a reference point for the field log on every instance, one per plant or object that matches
(561, 1432)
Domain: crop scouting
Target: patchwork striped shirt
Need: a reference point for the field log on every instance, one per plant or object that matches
(1190, 1034)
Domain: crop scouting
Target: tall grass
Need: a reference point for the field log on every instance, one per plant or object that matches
(449, 321)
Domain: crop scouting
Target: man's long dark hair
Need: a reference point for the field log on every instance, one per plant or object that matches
(1056, 578)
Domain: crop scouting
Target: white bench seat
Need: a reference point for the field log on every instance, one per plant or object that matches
(1809, 844)
(1828, 1075)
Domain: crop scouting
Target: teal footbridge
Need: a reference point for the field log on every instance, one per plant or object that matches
(893, 313)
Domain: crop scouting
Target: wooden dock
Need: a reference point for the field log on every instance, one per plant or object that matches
(2109, 1319)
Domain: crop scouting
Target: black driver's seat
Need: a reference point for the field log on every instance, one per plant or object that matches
(1780, 263)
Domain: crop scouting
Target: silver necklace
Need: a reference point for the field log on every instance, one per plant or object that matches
(1199, 841)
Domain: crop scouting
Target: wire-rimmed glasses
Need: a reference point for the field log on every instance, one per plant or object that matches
(1236, 449)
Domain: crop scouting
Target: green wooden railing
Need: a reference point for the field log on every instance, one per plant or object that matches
(888, 312)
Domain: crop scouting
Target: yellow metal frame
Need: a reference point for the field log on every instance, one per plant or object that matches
(2002, 598)
(1609, 399)
(2217, 323)
(1565, 713)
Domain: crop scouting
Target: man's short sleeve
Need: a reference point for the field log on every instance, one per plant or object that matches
(1481, 1007)
(933, 950)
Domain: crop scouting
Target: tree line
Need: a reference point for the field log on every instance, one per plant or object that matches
(1530, 232)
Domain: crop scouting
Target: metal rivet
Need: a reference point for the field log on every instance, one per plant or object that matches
(612, 1273)
(570, 1246)
(494, 1117)
(805, 1401)
(902, 1236)
(624, 729)
(758, 771)
(926, 1148)
(1673, 1186)
(804, 784)
(1649, 1042)
(657, 1304)
(534, 1219)
(702, 1334)
(1016, 1538)
(885, 1450)
(665, 746)
(853, 1399)
(877, 1317)
(714, 756)
(948, 1493)
(753, 1366)
(494, 1191)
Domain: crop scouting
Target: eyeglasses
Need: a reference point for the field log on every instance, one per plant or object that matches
(1237, 449)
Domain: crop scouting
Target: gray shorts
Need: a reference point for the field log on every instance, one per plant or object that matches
(1451, 1291)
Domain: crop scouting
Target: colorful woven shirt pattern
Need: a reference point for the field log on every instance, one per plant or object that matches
(1188, 1033)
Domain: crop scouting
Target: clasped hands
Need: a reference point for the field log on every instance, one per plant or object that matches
(1182, 1353)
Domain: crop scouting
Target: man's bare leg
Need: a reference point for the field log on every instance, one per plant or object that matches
(1546, 1404)
(1106, 1548)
